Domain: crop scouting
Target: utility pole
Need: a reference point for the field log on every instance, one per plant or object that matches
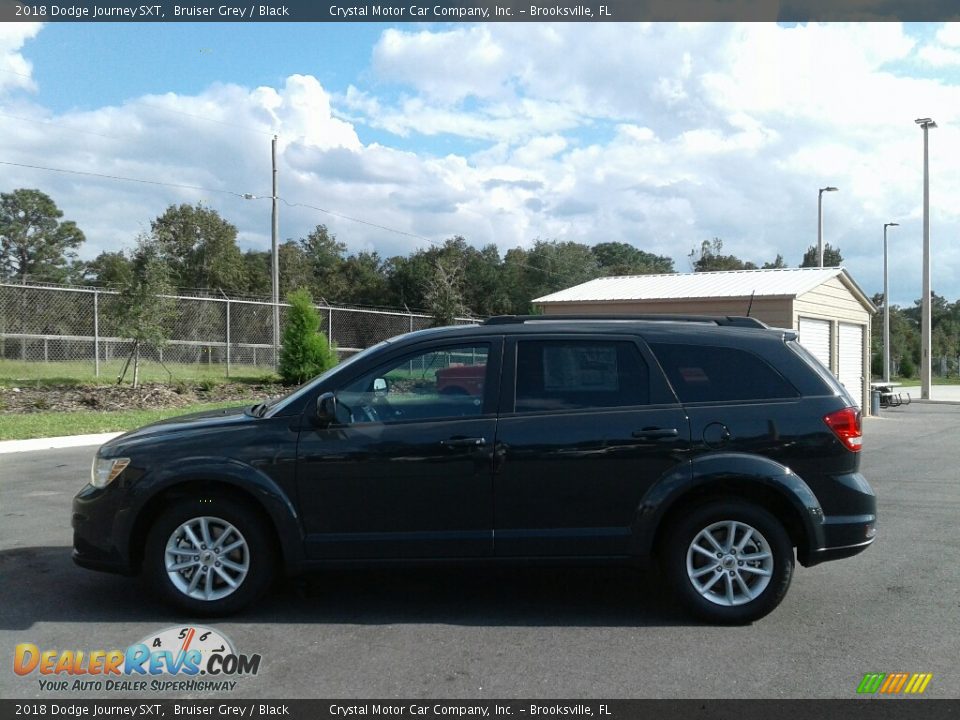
(275, 260)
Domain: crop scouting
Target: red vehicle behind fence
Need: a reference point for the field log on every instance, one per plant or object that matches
(461, 380)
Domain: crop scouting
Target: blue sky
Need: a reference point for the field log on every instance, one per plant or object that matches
(659, 135)
(86, 65)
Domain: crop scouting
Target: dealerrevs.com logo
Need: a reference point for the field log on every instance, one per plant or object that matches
(177, 659)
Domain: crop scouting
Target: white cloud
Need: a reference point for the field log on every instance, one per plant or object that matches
(939, 57)
(659, 135)
(15, 70)
(446, 66)
(218, 140)
(944, 51)
(949, 34)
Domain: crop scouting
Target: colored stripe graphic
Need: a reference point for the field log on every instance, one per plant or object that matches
(871, 683)
(918, 683)
(894, 683)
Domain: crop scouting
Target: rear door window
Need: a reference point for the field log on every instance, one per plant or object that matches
(578, 374)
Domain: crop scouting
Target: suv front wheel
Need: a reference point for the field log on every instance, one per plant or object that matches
(728, 562)
(208, 556)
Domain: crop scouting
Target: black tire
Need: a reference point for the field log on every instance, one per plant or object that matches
(255, 556)
(743, 590)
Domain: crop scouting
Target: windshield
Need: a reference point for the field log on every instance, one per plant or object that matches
(277, 405)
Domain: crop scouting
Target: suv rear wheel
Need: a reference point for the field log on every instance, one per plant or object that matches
(729, 561)
(209, 557)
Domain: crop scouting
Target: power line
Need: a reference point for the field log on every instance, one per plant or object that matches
(358, 220)
(161, 109)
(120, 177)
(56, 124)
(246, 196)
(394, 230)
(249, 196)
(207, 119)
(14, 72)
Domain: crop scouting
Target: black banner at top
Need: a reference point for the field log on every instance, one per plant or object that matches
(476, 11)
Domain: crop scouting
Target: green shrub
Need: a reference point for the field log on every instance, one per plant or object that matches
(907, 367)
(207, 384)
(305, 352)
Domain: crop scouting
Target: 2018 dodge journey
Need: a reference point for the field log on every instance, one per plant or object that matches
(716, 446)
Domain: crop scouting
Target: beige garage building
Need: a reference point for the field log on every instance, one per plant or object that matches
(825, 305)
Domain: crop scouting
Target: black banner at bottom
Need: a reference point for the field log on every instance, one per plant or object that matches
(859, 709)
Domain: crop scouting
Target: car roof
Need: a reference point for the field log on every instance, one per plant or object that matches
(652, 326)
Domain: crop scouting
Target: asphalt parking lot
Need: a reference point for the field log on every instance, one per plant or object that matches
(606, 633)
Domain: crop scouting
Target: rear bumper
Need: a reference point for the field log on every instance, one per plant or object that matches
(836, 553)
(843, 537)
(848, 524)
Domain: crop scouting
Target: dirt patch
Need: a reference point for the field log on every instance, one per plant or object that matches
(150, 396)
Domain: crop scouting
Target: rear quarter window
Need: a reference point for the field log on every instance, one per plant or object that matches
(708, 373)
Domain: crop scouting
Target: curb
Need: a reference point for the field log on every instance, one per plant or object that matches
(55, 443)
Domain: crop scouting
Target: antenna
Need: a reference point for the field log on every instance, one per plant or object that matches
(750, 306)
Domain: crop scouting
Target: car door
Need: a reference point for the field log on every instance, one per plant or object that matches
(406, 470)
(588, 424)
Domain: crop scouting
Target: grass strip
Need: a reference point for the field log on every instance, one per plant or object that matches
(15, 373)
(54, 424)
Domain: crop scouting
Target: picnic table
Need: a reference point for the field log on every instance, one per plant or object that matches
(889, 395)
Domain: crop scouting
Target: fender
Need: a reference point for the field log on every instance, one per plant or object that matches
(721, 470)
(262, 489)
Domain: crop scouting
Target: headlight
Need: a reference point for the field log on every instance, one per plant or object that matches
(106, 470)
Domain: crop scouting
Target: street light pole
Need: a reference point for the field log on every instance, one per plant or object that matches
(886, 307)
(925, 334)
(820, 223)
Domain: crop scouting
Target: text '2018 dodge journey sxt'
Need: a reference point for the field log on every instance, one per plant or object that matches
(716, 446)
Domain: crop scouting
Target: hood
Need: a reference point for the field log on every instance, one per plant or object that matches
(193, 422)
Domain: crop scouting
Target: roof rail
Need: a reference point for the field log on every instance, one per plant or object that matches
(724, 320)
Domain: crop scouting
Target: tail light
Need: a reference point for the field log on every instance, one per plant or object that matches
(846, 426)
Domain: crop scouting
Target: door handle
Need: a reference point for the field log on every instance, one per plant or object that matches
(464, 442)
(655, 433)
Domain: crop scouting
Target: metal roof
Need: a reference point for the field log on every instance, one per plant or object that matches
(781, 282)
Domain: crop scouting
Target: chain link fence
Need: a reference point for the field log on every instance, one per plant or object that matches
(944, 366)
(72, 329)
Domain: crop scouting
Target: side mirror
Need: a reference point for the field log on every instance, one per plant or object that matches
(326, 409)
(379, 385)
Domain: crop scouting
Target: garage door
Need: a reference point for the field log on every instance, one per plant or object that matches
(850, 351)
(815, 337)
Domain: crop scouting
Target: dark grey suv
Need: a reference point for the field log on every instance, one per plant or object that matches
(716, 446)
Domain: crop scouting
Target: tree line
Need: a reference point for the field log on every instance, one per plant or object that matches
(905, 338)
(193, 248)
(199, 248)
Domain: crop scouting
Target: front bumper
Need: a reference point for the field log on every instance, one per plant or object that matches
(100, 526)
